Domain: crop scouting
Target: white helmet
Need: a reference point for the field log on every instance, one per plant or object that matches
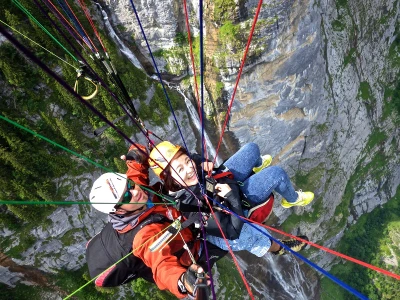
(107, 191)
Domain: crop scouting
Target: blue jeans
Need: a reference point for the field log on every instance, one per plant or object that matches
(259, 186)
(250, 239)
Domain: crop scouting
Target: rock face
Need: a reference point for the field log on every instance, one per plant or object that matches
(313, 97)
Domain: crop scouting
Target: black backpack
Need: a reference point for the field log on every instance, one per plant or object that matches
(109, 246)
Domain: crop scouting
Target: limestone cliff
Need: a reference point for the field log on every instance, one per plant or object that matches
(312, 92)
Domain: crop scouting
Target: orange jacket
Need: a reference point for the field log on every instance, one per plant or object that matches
(166, 267)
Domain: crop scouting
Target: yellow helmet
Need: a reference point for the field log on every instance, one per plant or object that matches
(161, 156)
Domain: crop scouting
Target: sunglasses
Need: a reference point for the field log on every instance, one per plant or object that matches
(128, 195)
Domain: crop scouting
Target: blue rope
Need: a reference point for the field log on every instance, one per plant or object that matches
(71, 16)
(327, 274)
(158, 74)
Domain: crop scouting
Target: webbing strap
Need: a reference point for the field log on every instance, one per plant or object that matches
(222, 175)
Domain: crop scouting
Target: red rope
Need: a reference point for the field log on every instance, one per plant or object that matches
(70, 25)
(239, 74)
(94, 46)
(85, 10)
(364, 264)
(230, 250)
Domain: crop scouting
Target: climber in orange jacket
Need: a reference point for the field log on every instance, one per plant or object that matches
(136, 219)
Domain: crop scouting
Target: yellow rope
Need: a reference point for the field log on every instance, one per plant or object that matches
(142, 245)
(37, 44)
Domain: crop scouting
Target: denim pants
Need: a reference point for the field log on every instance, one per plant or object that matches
(259, 186)
(250, 239)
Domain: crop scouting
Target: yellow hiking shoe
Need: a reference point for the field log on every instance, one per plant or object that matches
(266, 161)
(303, 199)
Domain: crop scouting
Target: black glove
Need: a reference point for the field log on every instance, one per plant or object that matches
(137, 155)
(191, 279)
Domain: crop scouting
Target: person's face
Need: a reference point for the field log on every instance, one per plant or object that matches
(183, 170)
(138, 198)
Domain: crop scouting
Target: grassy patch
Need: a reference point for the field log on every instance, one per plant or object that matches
(70, 281)
(376, 137)
(158, 109)
(181, 39)
(230, 280)
(224, 10)
(310, 182)
(145, 290)
(219, 87)
(341, 3)
(322, 128)
(20, 291)
(25, 242)
(395, 103)
(364, 91)
(308, 217)
(329, 288)
(68, 238)
(338, 26)
(8, 220)
(387, 104)
(159, 53)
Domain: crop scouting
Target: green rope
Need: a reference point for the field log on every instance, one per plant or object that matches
(79, 155)
(41, 202)
(21, 7)
(54, 143)
(12, 28)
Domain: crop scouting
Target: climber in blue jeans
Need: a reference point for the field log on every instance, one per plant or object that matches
(181, 174)
(259, 181)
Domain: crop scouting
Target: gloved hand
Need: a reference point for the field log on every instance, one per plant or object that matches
(138, 155)
(192, 277)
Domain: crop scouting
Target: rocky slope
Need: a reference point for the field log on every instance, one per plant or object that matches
(314, 98)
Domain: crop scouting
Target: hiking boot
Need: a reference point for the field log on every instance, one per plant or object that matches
(303, 199)
(293, 244)
(266, 161)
